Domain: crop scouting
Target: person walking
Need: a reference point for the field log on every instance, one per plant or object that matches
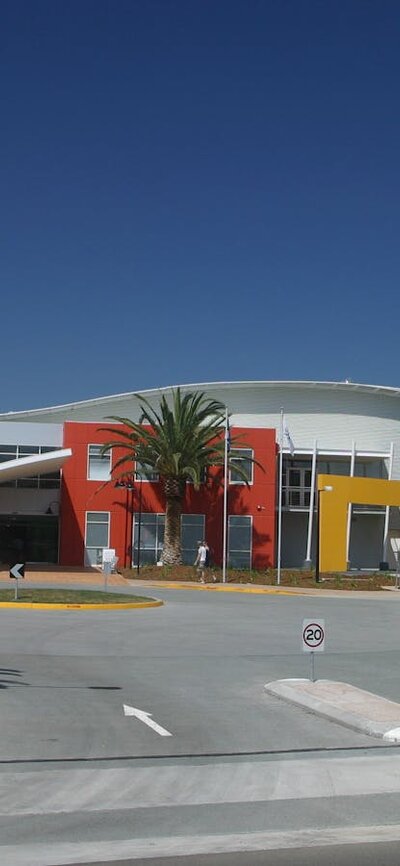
(202, 559)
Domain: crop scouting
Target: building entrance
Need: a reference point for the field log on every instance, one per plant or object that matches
(28, 538)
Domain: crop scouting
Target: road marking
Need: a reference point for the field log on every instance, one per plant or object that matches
(146, 718)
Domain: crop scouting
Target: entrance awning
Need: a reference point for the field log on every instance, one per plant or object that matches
(35, 464)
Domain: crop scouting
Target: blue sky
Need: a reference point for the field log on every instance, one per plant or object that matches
(197, 190)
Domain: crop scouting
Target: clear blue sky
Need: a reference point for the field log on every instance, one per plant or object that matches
(197, 190)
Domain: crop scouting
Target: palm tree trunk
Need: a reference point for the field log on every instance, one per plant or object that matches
(172, 550)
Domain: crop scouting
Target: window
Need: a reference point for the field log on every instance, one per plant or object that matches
(96, 536)
(99, 465)
(239, 541)
(144, 472)
(370, 469)
(192, 532)
(334, 467)
(13, 452)
(8, 452)
(152, 537)
(241, 457)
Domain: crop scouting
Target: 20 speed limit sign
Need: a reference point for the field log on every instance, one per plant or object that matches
(313, 635)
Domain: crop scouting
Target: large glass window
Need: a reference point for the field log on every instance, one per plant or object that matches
(334, 466)
(13, 452)
(97, 536)
(99, 465)
(7, 452)
(241, 457)
(152, 537)
(28, 538)
(239, 541)
(192, 533)
(370, 468)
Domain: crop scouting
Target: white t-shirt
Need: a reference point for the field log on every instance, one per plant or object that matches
(202, 554)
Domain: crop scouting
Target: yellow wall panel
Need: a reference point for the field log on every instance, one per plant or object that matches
(335, 493)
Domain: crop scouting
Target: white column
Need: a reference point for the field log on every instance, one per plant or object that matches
(387, 509)
(350, 507)
(307, 562)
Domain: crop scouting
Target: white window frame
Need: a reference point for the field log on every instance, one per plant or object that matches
(249, 451)
(105, 456)
(100, 547)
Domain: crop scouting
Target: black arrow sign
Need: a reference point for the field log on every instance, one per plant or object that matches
(17, 570)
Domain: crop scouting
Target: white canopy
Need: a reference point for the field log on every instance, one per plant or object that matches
(34, 464)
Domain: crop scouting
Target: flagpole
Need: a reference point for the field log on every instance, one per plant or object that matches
(225, 509)
(279, 554)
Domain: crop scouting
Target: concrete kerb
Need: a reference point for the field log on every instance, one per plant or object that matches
(37, 605)
(342, 703)
(212, 587)
(264, 589)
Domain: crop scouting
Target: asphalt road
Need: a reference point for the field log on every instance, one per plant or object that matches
(198, 665)
(75, 769)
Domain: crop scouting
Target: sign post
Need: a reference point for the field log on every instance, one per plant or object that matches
(16, 571)
(109, 562)
(313, 635)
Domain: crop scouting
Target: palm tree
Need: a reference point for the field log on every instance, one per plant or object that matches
(179, 442)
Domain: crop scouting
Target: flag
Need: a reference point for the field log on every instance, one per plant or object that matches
(289, 439)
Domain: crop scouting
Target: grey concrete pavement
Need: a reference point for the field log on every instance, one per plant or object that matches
(355, 708)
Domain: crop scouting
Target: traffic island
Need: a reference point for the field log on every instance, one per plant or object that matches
(71, 599)
(343, 703)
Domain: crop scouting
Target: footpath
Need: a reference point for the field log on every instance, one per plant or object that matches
(94, 577)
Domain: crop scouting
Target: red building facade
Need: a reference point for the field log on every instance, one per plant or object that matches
(94, 513)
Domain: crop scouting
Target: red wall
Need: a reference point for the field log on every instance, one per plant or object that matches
(79, 495)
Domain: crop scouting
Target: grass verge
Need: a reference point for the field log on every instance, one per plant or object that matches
(70, 596)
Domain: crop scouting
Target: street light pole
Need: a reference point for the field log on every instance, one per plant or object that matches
(128, 485)
(317, 540)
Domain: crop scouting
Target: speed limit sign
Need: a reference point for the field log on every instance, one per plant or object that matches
(313, 635)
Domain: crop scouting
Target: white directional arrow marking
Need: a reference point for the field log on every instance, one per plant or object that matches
(146, 718)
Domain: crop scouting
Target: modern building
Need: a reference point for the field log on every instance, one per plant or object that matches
(58, 502)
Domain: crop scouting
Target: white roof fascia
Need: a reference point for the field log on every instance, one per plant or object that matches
(35, 464)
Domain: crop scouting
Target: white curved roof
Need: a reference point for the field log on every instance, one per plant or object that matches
(340, 416)
(239, 397)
